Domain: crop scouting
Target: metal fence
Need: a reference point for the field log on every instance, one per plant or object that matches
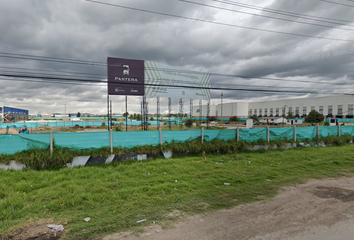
(12, 143)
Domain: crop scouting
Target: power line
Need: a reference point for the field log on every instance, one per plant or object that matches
(217, 23)
(191, 72)
(156, 85)
(47, 70)
(285, 13)
(342, 4)
(265, 16)
(50, 59)
(102, 64)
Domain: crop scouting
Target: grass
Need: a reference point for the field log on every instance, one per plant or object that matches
(116, 196)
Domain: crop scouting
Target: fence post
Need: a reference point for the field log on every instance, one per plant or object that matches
(238, 134)
(51, 142)
(338, 130)
(318, 131)
(295, 133)
(202, 135)
(160, 131)
(111, 140)
(268, 137)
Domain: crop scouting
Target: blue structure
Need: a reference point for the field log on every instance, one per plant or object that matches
(15, 111)
(11, 114)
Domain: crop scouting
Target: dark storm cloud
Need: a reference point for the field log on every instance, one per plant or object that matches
(78, 29)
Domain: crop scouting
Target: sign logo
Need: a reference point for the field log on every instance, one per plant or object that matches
(126, 70)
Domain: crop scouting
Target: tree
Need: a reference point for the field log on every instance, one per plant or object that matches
(138, 117)
(125, 114)
(233, 119)
(314, 117)
(290, 115)
(188, 123)
(78, 114)
(212, 118)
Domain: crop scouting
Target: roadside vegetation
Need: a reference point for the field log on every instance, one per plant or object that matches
(117, 195)
(38, 159)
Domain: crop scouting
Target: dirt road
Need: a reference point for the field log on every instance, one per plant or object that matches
(319, 209)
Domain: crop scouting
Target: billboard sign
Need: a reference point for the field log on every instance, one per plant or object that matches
(139, 78)
(125, 76)
(167, 81)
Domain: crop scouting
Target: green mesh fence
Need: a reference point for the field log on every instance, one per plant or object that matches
(253, 135)
(226, 134)
(347, 130)
(281, 133)
(180, 136)
(210, 135)
(13, 143)
(132, 139)
(342, 120)
(80, 140)
(329, 131)
(303, 133)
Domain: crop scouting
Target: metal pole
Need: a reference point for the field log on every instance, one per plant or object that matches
(222, 94)
(238, 134)
(169, 112)
(190, 108)
(295, 133)
(268, 137)
(181, 111)
(157, 112)
(200, 111)
(111, 115)
(146, 115)
(126, 113)
(141, 116)
(51, 142)
(108, 112)
(160, 131)
(111, 140)
(202, 135)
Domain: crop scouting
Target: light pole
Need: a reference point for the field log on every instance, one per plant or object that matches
(222, 94)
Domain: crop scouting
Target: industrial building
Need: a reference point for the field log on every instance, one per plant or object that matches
(11, 114)
(340, 106)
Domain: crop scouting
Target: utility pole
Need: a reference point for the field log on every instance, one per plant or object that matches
(222, 94)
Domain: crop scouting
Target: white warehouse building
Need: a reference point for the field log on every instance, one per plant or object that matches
(340, 106)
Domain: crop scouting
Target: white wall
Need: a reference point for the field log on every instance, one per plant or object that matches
(241, 109)
(344, 100)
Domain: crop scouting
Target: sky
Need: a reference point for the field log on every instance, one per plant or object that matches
(254, 50)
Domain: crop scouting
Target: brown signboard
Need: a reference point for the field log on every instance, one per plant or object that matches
(125, 76)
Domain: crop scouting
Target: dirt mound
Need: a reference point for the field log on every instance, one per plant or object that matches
(35, 231)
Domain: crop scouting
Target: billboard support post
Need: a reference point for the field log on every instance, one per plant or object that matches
(107, 112)
(200, 111)
(181, 111)
(111, 113)
(126, 113)
(157, 112)
(169, 113)
(141, 116)
(190, 108)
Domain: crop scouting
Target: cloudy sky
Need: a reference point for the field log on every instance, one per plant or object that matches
(299, 48)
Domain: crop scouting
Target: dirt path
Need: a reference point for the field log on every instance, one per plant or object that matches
(319, 209)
